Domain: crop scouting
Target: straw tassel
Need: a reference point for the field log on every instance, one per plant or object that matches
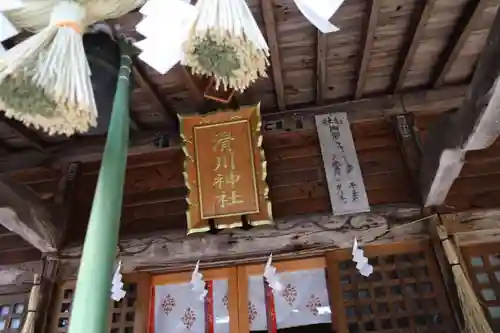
(475, 320)
(45, 80)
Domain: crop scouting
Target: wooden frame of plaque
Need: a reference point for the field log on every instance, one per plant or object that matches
(225, 169)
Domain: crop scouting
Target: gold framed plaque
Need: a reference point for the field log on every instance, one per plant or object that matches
(225, 169)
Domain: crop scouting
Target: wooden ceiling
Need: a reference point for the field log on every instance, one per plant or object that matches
(389, 57)
(383, 47)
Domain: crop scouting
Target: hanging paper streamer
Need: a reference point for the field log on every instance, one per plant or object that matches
(358, 256)
(197, 283)
(117, 292)
(161, 50)
(7, 29)
(271, 276)
(319, 12)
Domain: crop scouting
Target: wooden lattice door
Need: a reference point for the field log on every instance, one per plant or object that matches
(483, 267)
(12, 312)
(404, 294)
(127, 316)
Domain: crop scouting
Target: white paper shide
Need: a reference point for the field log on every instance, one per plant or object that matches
(197, 283)
(271, 276)
(7, 29)
(161, 50)
(343, 174)
(319, 12)
(358, 257)
(117, 291)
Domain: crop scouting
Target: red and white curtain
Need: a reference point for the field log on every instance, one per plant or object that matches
(178, 309)
(303, 301)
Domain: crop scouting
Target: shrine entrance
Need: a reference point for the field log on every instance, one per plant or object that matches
(322, 294)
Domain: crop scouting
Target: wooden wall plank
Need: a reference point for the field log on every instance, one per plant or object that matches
(154, 190)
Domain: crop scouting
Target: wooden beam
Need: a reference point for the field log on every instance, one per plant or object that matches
(412, 41)
(291, 238)
(367, 41)
(23, 213)
(470, 15)
(193, 85)
(19, 274)
(25, 133)
(404, 126)
(88, 149)
(272, 40)
(473, 127)
(445, 270)
(64, 198)
(142, 80)
(321, 53)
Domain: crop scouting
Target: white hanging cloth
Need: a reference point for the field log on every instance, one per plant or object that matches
(7, 29)
(303, 300)
(257, 317)
(160, 50)
(178, 309)
(358, 256)
(319, 13)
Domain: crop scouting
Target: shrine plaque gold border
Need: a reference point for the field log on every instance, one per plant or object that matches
(195, 223)
(252, 158)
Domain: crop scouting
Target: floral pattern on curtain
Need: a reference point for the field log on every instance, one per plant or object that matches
(178, 309)
(303, 300)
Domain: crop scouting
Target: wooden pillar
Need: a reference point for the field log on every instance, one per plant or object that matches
(92, 297)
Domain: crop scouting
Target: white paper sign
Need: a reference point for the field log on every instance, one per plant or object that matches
(340, 160)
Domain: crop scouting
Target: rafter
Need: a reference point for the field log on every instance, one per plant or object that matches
(404, 128)
(367, 42)
(272, 40)
(64, 198)
(472, 127)
(470, 15)
(193, 85)
(415, 34)
(143, 82)
(25, 133)
(321, 53)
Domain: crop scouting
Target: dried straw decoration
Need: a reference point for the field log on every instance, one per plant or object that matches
(474, 318)
(225, 42)
(45, 80)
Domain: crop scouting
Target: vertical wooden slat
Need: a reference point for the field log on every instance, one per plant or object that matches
(64, 198)
(242, 296)
(445, 270)
(233, 305)
(404, 128)
(441, 297)
(142, 303)
(367, 42)
(272, 40)
(339, 319)
(321, 53)
(414, 36)
(471, 14)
